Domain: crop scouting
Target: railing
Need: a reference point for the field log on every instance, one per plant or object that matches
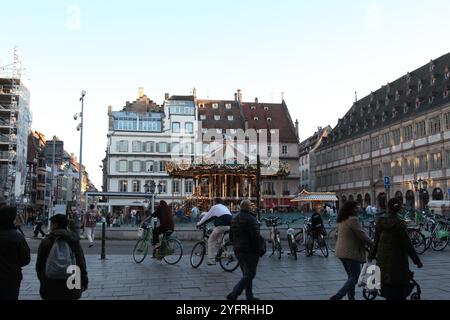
(4, 155)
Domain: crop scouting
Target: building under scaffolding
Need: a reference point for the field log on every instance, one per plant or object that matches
(15, 122)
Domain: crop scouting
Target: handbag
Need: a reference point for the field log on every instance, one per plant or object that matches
(262, 246)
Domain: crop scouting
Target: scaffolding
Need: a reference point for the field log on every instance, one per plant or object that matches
(15, 122)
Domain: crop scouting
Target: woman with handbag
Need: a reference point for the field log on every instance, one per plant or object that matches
(350, 248)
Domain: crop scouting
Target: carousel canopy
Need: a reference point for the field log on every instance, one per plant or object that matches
(306, 196)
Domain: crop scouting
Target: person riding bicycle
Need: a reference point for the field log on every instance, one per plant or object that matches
(166, 223)
(317, 226)
(222, 218)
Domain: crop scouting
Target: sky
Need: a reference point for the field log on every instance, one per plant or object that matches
(317, 52)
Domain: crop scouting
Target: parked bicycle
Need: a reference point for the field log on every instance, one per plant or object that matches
(332, 236)
(309, 241)
(291, 239)
(273, 223)
(170, 250)
(225, 255)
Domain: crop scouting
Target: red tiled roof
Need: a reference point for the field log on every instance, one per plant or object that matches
(205, 107)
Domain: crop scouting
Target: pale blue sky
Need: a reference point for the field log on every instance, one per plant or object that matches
(317, 52)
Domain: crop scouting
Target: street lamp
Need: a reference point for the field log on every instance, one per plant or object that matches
(80, 171)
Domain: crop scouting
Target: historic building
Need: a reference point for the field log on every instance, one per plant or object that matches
(307, 161)
(393, 143)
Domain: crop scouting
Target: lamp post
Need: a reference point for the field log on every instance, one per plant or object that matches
(80, 170)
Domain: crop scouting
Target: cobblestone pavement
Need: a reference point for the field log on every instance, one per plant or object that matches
(314, 278)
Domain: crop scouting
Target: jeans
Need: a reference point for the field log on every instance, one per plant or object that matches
(90, 233)
(215, 236)
(248, 263)
(353, 270)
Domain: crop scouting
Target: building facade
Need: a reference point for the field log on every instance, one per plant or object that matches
(399, 134)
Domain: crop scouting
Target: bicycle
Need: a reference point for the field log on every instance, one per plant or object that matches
(291, 239)
(311, 242)
(274, 239)
(225, 255)
(170, 250)
(332, 236)
(437, 233)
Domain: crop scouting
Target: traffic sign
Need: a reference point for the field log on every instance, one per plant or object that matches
(387, 182)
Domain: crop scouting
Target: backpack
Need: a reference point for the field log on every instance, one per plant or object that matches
(59, 259)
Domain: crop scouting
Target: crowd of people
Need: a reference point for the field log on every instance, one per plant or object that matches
(391, 247)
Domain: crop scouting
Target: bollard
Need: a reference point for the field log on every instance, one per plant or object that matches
(103, 255)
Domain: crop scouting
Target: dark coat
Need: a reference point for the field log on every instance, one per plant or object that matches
(57, 289)
(164, 214)
(14, 254)
(244, 233)
(392, 249)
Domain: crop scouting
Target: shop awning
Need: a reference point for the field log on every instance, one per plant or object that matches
(306, 196)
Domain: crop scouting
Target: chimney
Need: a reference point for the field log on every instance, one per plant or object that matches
(166, 96)
(256, 100)
(239, 94)
(140, 92)
(297, 128)
(194, 93)
(235, 97)
(109, 109)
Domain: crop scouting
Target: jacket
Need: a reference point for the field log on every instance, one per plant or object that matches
(220, 214)
(165, 218)
(392, 249)
(57, 289)
(352, 240)
(244, 233)
(90, 219)
(14, 254)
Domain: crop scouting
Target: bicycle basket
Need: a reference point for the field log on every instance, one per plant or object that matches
(442, 234)
(140, 232)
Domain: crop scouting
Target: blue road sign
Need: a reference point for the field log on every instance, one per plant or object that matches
(387, 182)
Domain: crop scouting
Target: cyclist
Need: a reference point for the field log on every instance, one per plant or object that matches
(166, 223)
(317, 226)
(222, 217)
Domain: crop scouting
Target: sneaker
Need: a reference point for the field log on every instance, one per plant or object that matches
(212, 263)
(231, 297)
(335, 298)
(91, 245)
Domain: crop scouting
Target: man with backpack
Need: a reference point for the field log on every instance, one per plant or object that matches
(60, 256)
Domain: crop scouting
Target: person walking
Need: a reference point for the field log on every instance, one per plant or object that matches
(133, 217)
(14, 254)
(90, 222)
(56, 288)
(350, 247)
(244, 236)
(392, 249)
(221, 217)
(39, 222)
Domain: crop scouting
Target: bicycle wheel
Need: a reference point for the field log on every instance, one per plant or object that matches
(418, 241)
(175, 251)
(227, 259)
(278, 248)
(331, 239)
(292, 247)
(197, 255)
(322, 244)
(369, 295)
(140, 251)
(439, 244)
(309, 246)
(300, 241)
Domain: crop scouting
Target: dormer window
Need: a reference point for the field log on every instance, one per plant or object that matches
(269, 119)
(446, 92)
(217, 117)
(350, 131)
(387, 100)
(204, 130)
(431, 99)
(405, 108)
(384, 116)
(215, 106)
(253, 107)
(408, 78)
(397, 95)
(418, 103)
(432, 65)
(377, 107)
(447, 73)
(420, 85)
(369, 109)
(374, 120)
(361, 112)
(366, 124)
(409, 91)
(266, 108)
(433, 80)
(394, 113)
(230, 118)
(228, 106)
(255, 119)
(203, 117)
(219, 131)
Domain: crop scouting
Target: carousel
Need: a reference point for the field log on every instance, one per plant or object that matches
(232, 182)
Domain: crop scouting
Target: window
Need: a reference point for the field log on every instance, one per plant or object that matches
(435, 125)
(175, 127)
(230, 118)
(188, 187)
(136, 166)
(188, 148)
(175, 147)
(408, 165)
(163, 147)
(149, 147)
(123, 146)
(150, 166)
(206, 148)
(447, 157)
(162, 166)
(255, 118)
(396, 136)
(436, 161)
(215, 106)
(217, 117)
(228, 106)
(375, 143)
(123, 166)
(386, 140)
(366, 145)
(269, 152)
(423, 163)
(284, 150)
(123, 186)
(387, 169)
(137, 146)
(136, 186)
(176, 186)
(408, 133)
(420, 85)
(397, 168)
(286, 191)
(203, 117)
(162, 185)
(253, 107)
(269, 188)
(219, 131)
(189, 127)
(421, 130)
(447, 121)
